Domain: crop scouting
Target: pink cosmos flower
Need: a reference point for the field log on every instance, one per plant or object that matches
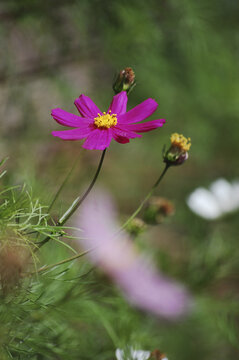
(115, 253)
(99, 128)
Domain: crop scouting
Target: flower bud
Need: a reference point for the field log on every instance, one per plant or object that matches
(157, 210)
(178, 151)
(125, 81)
(136, 227)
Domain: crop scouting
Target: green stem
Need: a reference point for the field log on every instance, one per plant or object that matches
(44, 268)
(150, 193)
(70, 211)
(80, 200)
(62, 186)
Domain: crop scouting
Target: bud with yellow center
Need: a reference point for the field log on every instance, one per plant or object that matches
(180, 141)
(178, 151)
(105, 121)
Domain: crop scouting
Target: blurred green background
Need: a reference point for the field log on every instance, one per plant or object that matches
(185, 55)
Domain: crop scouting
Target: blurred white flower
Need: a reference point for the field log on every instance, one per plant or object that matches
(115, 253)
(221, 198)
(132, 355)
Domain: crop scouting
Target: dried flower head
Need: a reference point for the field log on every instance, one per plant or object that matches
(11, 265)
(14, 257)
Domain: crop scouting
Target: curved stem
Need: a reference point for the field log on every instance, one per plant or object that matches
(150, 193)
(80, 200)
(44, 268)
(62, 185)
(74, 206)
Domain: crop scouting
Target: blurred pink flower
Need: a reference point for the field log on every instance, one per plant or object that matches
(114, 252)
(99, 128)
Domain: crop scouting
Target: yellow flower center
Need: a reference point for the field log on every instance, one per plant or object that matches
(106, 121)
(180, 141)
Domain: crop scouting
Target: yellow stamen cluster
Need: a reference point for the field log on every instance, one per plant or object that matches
(106, 121)
(180, 141)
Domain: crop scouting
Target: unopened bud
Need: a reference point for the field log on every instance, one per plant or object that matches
(125, 81)
(178, 151)
(136, 227)
(157, 210)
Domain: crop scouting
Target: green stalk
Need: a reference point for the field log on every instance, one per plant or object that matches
(150, 193)
(44, 268)
(77, 202)
(70, 211)
(62, 185)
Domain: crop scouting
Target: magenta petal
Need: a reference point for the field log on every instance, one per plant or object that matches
(139, 112)
(122, 135)
(99, 139)
(120, 139)
(75, 134)
(122, 131)
(86, 107)
(67, 119)
(119, 103)
(147, 126)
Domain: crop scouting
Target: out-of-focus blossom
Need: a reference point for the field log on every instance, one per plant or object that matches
(98, 128)
(138, 279)
(178, 151)
(221, 198)
(132, 354)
